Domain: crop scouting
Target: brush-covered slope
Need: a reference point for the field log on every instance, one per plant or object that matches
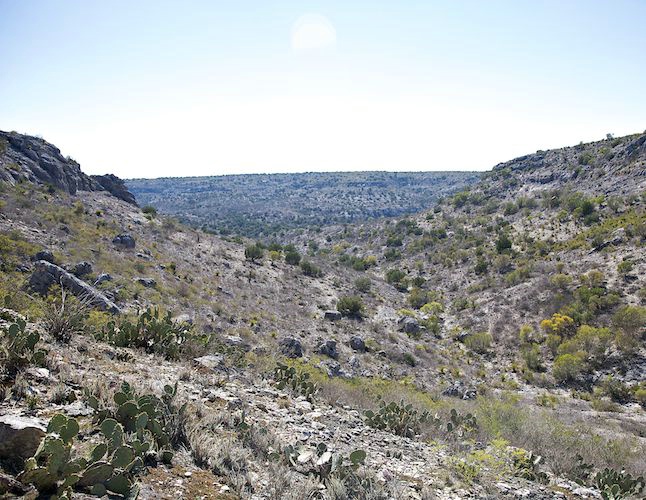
(444, 311)
(273, 204)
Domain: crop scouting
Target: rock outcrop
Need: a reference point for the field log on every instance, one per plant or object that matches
(32, 159)
(47, 274)
(116, 187)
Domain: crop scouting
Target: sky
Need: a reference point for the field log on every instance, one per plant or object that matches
(158, 88)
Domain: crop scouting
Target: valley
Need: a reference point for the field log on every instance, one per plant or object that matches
(356, 335)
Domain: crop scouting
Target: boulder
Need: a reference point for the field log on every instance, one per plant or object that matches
(328, 348)
(116, 187)
(408, 325)
(103, 277)
(124, 240)
(332, 315)
(147, 282)
(9, 485)
(459, 390)
(357, 344)
(290, 347)
(237, 342)
(20, 437)
(213, 362)
(333, 369)
(47, 274)
(44, 255)
(81, 269)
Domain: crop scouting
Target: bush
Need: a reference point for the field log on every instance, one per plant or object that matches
(351, 306)
(481, 266)
(292, 257)
(558, 324)
(479, 342)
(64, 315)
(394, 276)
(631, 319)
(363, 284)
(253, 252)
(503, 243)
(569, 367)
(310, 269)
(149, 210)
(532, 356)
(417, 298)
(592, 341)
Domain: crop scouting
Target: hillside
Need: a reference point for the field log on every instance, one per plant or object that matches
(509, 316)
(266, 205)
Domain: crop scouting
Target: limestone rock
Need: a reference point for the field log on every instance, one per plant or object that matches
(211, 361)
(328, 348)
(46, 274)
(20, 437)
(332, 315)
(44, 255)
(81, 269)
(124, 240)
(290, 347)
(147, 282)
(357, 344)
(116, 187)
(408, 325)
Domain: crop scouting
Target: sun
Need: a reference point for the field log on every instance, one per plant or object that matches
(311, 32)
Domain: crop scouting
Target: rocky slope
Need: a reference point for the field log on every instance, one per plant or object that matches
(26, 158)
(441, 333)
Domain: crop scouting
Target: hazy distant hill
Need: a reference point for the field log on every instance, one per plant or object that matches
(254, 205)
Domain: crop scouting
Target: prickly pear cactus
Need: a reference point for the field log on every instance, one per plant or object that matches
(615, 485)
(20, 347)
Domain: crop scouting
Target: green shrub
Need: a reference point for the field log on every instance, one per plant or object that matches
(351, 306)
(292, 257)
(253, 252)
(363, 284)
(394, 276)
(479, 342)
(417, 298)
(482, 266)
(503, 243)
(569, 367)
(149, 210)
(532, 356)
(310, 269)
(594, 342)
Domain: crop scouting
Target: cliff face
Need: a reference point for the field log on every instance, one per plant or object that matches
(25, 158)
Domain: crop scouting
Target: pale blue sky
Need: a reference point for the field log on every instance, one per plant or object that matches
(153, 88)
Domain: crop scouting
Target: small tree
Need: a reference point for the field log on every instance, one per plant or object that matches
(310, 269)
(351, 306)
(253, 252)
(503, 243)
(292, 257)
